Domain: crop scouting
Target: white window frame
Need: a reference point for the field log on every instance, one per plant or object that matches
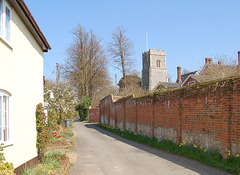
(7, 142)
(1, 18)
(3, 35)
(191, 83)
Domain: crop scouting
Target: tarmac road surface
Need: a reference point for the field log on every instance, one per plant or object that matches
(103, 153)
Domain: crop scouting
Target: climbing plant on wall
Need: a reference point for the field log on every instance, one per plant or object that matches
(42, 131)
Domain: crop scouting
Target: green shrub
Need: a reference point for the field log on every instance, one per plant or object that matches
(52, 120)
(83, 108)
(6, 168)
(42, 131)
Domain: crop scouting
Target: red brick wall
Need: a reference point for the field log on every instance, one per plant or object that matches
(144, 107)
(94, 115)
(207, 115)
(235, 119)
(130, 115)
(105, 110)
(119, 107)
(167, 112)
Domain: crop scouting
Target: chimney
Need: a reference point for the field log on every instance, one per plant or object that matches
(220, 62)
(210, 61)
(179, 80)
(206, 60)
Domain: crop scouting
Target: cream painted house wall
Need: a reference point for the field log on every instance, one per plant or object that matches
(21, 74)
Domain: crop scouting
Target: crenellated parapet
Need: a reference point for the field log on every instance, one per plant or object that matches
(155, 52)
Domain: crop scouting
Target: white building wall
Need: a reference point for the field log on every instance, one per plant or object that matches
(21, 73)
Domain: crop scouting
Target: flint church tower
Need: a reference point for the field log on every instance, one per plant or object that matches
(154, 68)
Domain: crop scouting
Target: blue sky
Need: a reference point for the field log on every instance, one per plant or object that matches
(189, 30)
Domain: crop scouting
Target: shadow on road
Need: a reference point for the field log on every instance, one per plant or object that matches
(187, 163)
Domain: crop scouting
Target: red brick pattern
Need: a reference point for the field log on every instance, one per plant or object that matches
(207, 115)
(94, 115)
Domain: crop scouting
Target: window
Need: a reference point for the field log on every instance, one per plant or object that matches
(191, 83)
(5, 20)
(4, 117)
(7, 24)
(1, 16)
(158, 63)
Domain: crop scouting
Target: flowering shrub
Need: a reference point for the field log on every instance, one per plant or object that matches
(55, 134)
(62, 105)
(6, 168)
(61, 135)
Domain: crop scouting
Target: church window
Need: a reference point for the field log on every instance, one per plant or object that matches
(158, 63)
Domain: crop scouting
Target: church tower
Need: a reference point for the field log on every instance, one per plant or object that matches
(154, 68)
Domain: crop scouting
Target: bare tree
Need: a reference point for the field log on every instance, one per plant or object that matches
(103, 92)
(121, 49)
(169, 77)
(85, 66)
(185, 71)
(225, 59)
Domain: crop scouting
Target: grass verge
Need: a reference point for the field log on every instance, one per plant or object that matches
(185, 149)
(51, 164)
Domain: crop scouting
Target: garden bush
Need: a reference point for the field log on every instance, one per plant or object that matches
(6, 168)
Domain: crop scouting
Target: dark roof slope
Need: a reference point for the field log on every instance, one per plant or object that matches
(184, 76)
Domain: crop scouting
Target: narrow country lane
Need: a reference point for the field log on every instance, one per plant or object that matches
(103, 153)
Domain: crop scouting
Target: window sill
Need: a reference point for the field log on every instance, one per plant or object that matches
(6, 43)
(6, 144)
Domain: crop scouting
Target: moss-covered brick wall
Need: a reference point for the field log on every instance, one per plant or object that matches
(207, 114)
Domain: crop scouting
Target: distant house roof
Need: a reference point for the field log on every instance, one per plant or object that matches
(209, 72)
(184, 76)
(198, 79)
(167, 85)
(212, 72)
(202, 78)
(216, 69)
(26, 16)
